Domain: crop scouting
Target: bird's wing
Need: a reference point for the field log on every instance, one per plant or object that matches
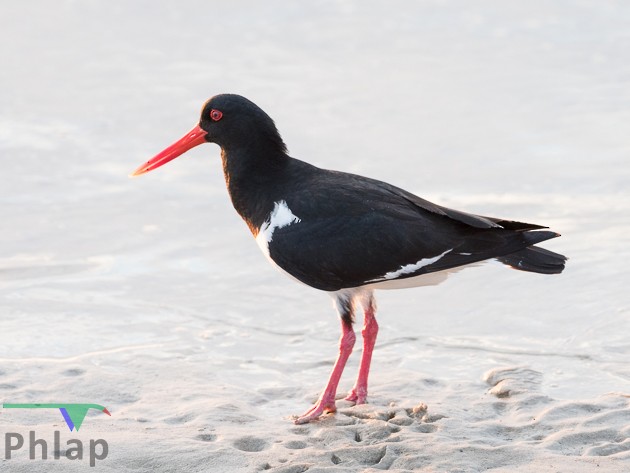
(357, 231)
(477, 221)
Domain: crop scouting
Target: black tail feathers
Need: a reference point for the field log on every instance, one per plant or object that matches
(536, 260)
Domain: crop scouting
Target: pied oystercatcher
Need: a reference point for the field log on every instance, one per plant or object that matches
(347, 234)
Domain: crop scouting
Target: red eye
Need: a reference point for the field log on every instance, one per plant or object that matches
(216, 114)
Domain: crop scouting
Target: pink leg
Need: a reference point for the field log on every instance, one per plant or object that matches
(369, 332)
(326, 402)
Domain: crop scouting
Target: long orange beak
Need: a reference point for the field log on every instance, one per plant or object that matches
(193, 138)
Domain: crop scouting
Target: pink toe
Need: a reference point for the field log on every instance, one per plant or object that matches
(315, 412)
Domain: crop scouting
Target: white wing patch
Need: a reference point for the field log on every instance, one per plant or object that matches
(410, 268)
(428, 279)
(280, 217)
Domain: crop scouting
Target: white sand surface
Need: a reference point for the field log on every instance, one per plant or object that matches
(150, 297)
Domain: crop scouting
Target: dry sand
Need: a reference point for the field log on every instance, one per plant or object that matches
(148, 296)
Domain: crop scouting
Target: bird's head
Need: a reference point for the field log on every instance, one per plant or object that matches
(229, 120)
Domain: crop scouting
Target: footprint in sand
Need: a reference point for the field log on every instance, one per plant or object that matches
(425, 428)
(180, 419)
(507, 382)
(300, 430)
(249, 443)
(73, 372)
(369, 455)
(295, 445)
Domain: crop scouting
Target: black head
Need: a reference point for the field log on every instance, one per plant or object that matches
(232, 122)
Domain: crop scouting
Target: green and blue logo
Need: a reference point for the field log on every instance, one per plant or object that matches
(73, 414)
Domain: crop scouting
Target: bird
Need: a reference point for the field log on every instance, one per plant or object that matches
(344, 233)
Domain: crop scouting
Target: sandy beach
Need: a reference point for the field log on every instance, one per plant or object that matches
(150, 297)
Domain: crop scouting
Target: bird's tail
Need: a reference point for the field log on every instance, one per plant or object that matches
(536, 260)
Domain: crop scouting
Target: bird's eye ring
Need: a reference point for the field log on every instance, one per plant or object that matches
(216, 115)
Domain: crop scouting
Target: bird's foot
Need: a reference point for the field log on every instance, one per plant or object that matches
(317, 410)
(358, 396)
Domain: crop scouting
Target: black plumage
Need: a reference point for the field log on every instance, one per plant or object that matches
(354, 230)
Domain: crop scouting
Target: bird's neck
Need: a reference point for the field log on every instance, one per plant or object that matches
(253, 179)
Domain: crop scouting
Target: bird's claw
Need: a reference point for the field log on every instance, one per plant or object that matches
(314, 412)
